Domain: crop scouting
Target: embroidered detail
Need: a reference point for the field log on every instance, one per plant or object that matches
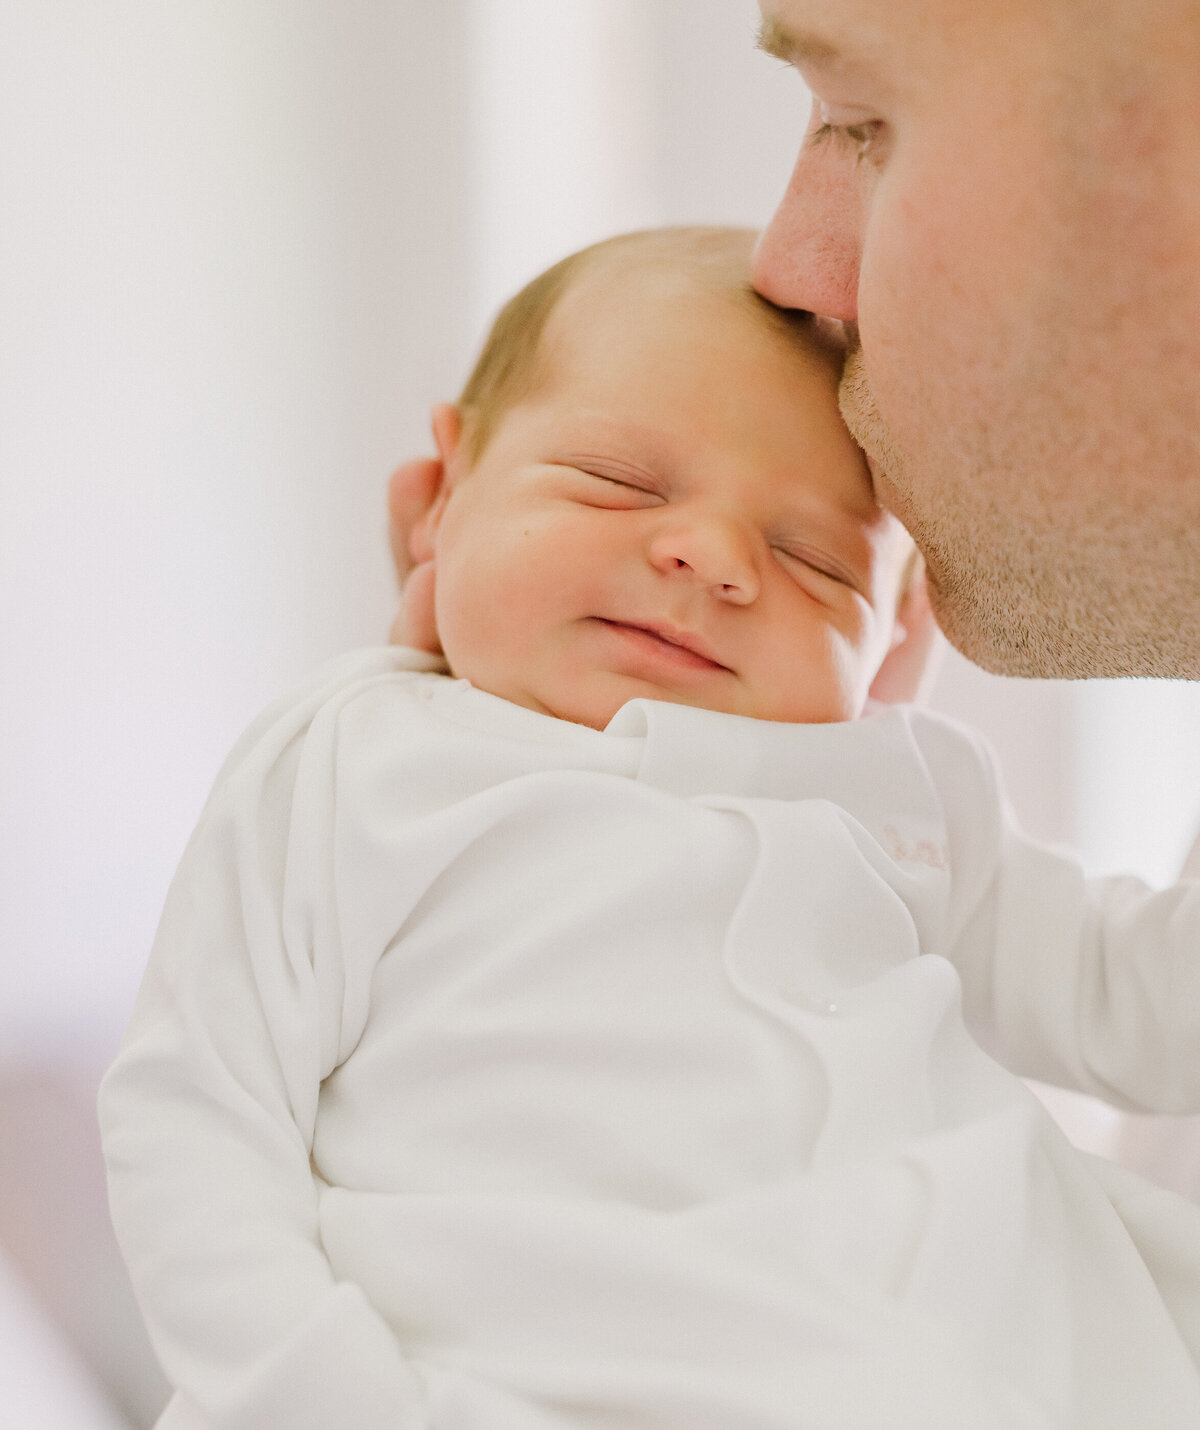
(924, 851)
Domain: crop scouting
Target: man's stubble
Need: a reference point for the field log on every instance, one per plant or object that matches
(1044, 558)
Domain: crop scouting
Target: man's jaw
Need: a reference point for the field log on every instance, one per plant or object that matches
(856, 402)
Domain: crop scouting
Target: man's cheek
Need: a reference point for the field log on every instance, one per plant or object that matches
(917, 309)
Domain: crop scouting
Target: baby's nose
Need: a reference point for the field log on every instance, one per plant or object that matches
(715, 554)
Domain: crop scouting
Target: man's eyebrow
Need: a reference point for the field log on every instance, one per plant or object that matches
(775, 39)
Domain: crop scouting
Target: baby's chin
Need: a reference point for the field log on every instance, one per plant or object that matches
(594, 698)
(593, 709)
(573, 706)
(598, 714)
(596, 710)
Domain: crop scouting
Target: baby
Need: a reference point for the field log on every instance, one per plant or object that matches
(662, 499)
(574, 1033)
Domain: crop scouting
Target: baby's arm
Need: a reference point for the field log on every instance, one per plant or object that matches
(1092, 984)
(208, 1117)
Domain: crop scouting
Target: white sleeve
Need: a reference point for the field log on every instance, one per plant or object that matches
(208, 1114)
(1092, 984)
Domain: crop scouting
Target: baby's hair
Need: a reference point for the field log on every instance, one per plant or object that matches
(512, 360)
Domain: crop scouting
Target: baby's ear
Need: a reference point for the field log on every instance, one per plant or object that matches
(417, 504)
(446, 424)
(446, 421)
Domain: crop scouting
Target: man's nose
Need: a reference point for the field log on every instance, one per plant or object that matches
(714, 553)
(808, 255)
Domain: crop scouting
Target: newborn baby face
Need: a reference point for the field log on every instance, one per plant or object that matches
(676, 512)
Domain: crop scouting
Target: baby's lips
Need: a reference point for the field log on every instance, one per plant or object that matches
(677, 636)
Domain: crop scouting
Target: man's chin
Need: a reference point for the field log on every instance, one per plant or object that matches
(856, 402)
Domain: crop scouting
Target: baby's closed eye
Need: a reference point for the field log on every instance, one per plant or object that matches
(794, 556)
(613, 488)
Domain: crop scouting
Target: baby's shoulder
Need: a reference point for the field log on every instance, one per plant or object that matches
(310, 718)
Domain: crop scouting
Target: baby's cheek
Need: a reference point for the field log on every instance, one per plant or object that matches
(416, 624)
(821, 678)
(462, 615)
(858, 658)
(486, 617)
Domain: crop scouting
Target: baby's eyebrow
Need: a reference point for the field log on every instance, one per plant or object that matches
(634, 442)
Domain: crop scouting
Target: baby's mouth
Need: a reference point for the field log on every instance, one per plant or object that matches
(690, 650)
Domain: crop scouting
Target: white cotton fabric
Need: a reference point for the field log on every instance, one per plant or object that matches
(497, 1073)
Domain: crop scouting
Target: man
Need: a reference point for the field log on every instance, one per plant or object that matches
(1003, 198)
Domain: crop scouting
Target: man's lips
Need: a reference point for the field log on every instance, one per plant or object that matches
(683, 646)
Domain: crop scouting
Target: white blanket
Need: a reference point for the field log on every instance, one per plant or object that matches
(495, 1073)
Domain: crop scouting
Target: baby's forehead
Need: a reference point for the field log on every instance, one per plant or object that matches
(635, 344)
(656, 325)
(591, 300)
(632, 278)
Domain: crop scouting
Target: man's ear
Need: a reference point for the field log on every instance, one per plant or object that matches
(446, 424)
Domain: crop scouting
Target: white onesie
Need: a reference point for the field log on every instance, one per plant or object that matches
(492, 1072)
